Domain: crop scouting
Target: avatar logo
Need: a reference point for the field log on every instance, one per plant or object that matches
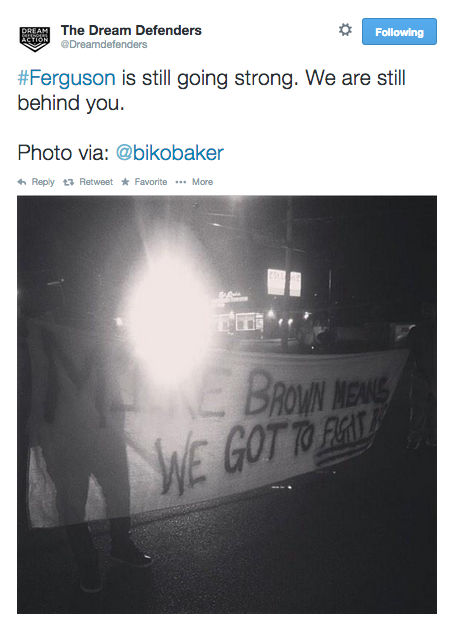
(34, 37)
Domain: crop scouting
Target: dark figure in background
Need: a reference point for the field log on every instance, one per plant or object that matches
(422, 341)
(108, 464)
(76, 446)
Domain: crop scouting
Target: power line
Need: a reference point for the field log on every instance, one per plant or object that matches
(265, 239)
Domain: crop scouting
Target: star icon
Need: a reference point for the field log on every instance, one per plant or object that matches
(125, 182)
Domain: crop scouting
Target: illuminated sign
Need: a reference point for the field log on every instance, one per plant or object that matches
(276, 283)
(229, 297)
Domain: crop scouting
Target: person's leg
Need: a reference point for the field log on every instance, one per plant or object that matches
(123, 548)
(86, 556)
(72, 492)
(80, 539)
(111, 470)
(120, 529)
(112, 473)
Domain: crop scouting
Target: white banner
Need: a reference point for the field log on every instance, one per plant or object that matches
(106, 442)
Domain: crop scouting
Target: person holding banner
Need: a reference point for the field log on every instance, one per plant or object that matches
(423, 394)
(80, 435)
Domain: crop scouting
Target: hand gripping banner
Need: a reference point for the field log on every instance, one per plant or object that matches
(105, 441)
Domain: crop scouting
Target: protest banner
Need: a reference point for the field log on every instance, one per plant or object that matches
(105, 441)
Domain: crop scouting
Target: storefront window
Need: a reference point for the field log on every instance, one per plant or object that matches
(245, 322)
(221, 323)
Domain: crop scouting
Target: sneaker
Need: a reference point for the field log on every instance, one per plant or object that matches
(128, 553)
(413, 444)
(89, 573)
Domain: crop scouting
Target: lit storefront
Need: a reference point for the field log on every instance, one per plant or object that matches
(251, 316)
(236, 313)
(257, 312)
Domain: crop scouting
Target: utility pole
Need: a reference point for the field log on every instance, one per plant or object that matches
(286, 297)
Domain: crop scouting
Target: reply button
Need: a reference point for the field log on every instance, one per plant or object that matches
(399, 32)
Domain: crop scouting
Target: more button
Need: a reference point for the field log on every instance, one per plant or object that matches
(399, 32)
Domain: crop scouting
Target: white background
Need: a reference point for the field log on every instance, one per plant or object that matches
(308, 140)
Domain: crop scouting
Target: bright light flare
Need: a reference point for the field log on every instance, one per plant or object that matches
(169, 318)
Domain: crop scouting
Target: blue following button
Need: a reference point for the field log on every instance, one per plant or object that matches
(399, 32)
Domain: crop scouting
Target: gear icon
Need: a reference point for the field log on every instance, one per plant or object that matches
(345, 29)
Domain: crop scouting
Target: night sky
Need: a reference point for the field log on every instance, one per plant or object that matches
(382, 249)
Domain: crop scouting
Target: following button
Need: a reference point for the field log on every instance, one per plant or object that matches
(399, 32)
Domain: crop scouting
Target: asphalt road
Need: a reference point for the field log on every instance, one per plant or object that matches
(357, 538)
